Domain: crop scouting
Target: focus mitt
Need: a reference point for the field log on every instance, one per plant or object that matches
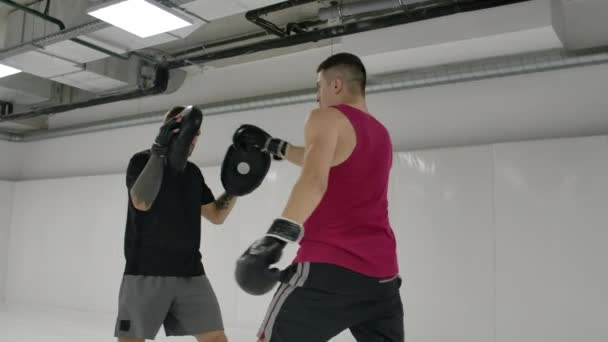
(180, 146)
(243, 170)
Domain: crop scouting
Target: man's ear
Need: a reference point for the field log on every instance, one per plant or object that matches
(338, 85)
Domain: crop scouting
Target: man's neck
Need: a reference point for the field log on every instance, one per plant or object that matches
(358, 103)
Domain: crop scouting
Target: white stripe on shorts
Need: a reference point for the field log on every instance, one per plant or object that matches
(279, 298)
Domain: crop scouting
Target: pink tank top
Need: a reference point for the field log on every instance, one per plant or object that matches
(350, 226)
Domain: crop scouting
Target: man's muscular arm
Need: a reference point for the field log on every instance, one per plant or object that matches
(321, 135)
(295, 154)
(216, 212)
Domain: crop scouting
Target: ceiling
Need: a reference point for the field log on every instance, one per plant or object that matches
(4, 10)
(503, 31)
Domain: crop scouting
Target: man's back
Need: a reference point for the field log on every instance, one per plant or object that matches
(350, 227)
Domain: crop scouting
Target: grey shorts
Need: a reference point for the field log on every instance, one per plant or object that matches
(183, 305)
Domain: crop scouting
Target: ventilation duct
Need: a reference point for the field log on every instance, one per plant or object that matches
(82, 61)
(339, 11)
(581, 24)
(164, 82)
(419, 12)
(427, 77)
(26, 89)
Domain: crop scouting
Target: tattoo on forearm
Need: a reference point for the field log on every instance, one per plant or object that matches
(224, 201)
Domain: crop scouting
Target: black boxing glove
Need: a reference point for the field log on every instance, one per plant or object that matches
(250, 136)
(253, 272)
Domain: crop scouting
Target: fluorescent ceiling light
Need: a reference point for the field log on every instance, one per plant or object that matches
(139, 17)
(6, 70)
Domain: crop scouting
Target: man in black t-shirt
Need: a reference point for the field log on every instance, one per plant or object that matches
(164, 281)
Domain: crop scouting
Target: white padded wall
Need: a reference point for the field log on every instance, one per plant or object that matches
(551, 223)
(477, 112)
(6, 204)
(104, 152)
(441, 211)
(496, 243)
(12, 160)
(67, 239)
(66, 242)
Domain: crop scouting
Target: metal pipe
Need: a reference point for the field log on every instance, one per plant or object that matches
(426, 77)
(8, 136)
(268, 26)
(161, 82)
(35, 13)
(170, 4)
(429, 9)
(238, 39)
(347, 10)
(99, 49)
(254, 15)
(6, 108)
(215, 44)
(278, 7)
(53, 38)
(61, 26)
(298, 28)
(416, 12)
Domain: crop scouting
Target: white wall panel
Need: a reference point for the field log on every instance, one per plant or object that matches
(6, 204)
(441, 211)
(66, 246)
(11, 155)
(471, 113)
(551, 226)
(496, 243)
(66, 242)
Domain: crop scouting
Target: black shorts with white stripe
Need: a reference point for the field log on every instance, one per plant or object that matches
(316, 302)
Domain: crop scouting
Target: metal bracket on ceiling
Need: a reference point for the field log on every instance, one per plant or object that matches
(6, 108)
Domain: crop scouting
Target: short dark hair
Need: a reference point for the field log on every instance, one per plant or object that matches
(350, 64)
(173, 112)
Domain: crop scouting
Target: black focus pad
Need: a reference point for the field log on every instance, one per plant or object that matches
(243, 170)
(181, 145)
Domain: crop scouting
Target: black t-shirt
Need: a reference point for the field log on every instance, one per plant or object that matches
(165, 240)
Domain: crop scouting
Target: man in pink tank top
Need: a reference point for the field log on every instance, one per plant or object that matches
(345, 274)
